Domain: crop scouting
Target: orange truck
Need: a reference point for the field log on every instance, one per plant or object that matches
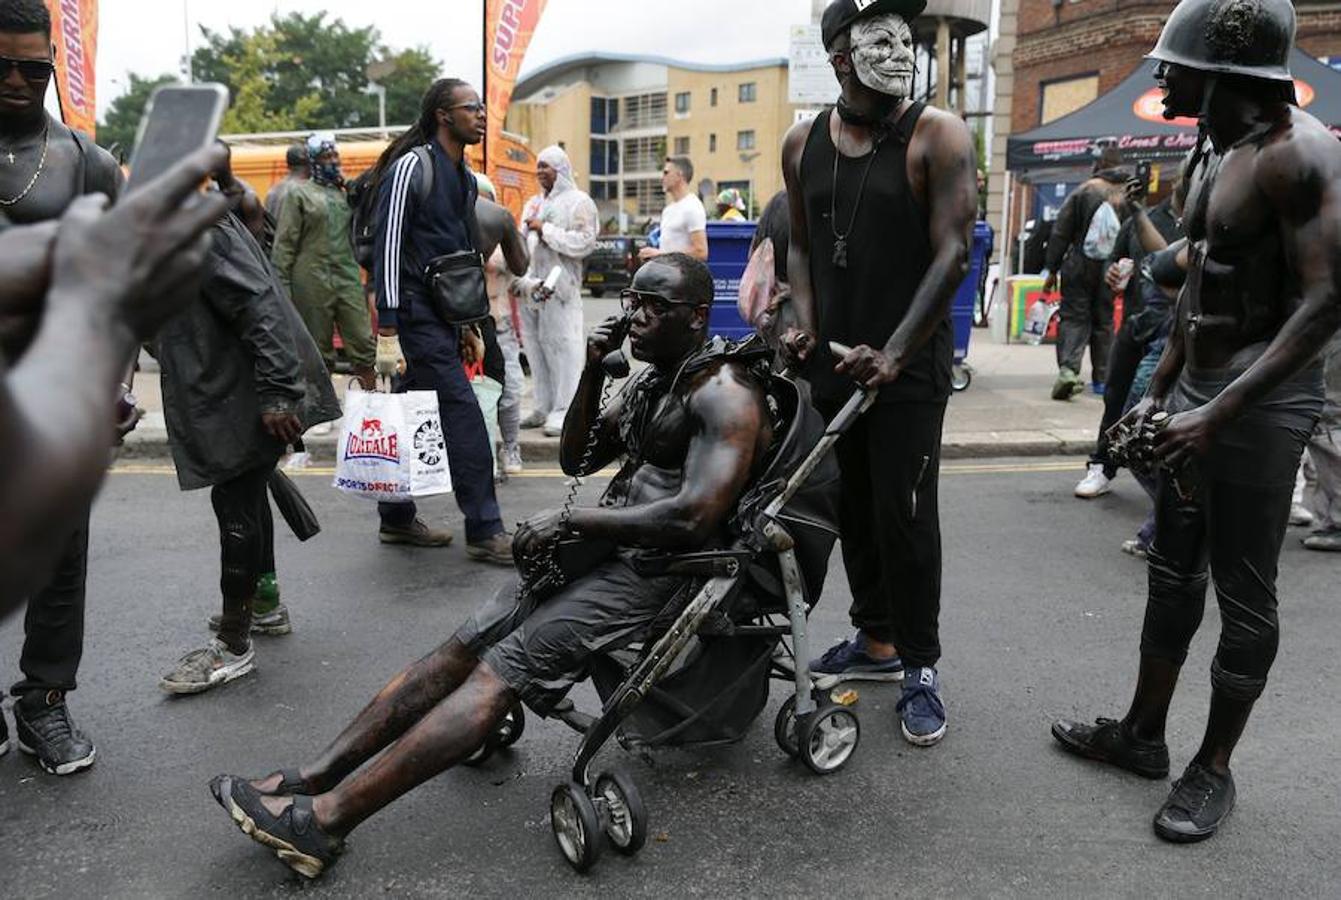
(258, 159)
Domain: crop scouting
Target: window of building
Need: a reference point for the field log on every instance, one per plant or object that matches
(682, 103)
(644, 154)
(602, 190)
(744, 140)
(682, 146)
(749, 92)
(647, 194)
(1057, 98)
(712, 143)
(599, 157)
(604, 115)
(612, 157)
(644, 111)
(712, 97)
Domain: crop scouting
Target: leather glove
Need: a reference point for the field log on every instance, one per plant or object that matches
(390, 361)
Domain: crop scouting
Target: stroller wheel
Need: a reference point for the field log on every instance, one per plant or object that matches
(784, 728)
(626, 817)
(510, 729)
(577, 831)
(829, 738)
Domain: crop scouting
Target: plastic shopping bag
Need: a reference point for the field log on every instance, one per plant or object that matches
(1036, 323)
(391, 446)
(758, 284)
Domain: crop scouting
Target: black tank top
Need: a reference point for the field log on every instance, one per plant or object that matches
(888, 254)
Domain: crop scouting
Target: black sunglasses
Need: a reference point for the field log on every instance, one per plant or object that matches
(657, 304)
(30, 69)
(473, 108)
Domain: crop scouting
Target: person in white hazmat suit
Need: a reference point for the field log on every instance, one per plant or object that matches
(560, 226)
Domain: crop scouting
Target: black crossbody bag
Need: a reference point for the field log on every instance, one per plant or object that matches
(456, 280)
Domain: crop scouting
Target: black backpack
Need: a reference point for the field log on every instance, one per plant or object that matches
(362, 193)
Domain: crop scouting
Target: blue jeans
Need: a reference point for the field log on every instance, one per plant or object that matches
(433, 363)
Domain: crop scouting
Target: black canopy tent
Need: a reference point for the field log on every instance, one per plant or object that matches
(1129, 116)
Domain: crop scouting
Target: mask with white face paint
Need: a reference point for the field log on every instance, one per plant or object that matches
(882, 54)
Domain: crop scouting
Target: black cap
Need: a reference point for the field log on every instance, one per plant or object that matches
(842, 13)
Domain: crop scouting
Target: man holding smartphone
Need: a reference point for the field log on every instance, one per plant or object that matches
(44, 167)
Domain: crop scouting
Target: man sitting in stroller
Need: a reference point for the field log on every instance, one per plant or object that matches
(693, 428)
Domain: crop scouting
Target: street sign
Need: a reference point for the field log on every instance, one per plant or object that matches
(810, 78)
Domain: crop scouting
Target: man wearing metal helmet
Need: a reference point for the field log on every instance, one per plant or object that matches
(883, 195)
(1237, 391)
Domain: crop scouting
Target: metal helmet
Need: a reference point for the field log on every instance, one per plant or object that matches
(1230, 37)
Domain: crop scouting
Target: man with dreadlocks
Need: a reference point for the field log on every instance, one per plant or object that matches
(425, 211)
(1237, 391)
(693, 428)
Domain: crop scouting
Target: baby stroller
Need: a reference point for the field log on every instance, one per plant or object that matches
(706, 678)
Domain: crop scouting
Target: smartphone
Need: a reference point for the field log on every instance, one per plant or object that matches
(1143, 175)
(179, 120)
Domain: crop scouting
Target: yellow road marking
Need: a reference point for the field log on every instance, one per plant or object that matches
(966, 468)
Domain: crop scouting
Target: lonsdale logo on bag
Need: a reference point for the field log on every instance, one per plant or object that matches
(372, 443)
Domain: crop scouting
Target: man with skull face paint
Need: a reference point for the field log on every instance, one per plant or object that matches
(883, 195)
(1242, 379)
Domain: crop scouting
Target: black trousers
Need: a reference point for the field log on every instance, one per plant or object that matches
(1123, 361)
(1086, 318)
(889, 518)
(53, 626)
(246, 548)
(1235, 525)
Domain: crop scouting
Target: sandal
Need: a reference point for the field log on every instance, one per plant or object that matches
(293, 834)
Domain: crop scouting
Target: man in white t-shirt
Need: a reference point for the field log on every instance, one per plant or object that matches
(684, 222)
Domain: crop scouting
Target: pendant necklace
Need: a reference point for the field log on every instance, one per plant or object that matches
(41, 164)
(840, 239)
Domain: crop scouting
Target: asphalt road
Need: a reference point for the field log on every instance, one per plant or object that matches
(1041, 618)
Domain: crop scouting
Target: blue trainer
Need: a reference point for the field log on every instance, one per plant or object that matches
(848, 661)
(921, 712)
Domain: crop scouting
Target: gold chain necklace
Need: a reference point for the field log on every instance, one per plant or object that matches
(41, 164)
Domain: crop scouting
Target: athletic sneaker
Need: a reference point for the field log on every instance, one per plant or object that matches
(848, 661)
(1198, 803)
(1300, 516)
(1328, 541)
(298, 461)
(534, 420)
(1135, 547)
(45, 730)
(1094, 484)
(271, 624)
(512, 459)
(417, 534)
(1108, 741)
(208, 667)
(294, 834)
(921, 710)
(1067, 385)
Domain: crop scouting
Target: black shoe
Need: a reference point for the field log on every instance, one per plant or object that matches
(1198, 803)
(48, 733)
(294, 834)
(1108, 741)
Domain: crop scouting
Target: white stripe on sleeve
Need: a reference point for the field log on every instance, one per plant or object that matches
(400, 189)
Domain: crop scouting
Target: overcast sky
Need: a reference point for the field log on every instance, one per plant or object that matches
(148, 37)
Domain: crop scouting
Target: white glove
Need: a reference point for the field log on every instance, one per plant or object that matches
(390, 361)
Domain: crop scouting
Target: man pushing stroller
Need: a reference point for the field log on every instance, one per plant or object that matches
(692, 430)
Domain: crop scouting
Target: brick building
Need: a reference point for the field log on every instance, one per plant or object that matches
(1055, 56)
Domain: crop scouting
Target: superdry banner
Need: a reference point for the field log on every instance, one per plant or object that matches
(508, 25)
(74, 31)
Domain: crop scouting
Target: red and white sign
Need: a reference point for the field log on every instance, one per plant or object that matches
(1150, 105)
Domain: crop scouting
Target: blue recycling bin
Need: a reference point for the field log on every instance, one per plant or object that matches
(965, 299)
(728, 254)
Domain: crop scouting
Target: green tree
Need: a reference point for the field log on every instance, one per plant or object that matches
(117, 130)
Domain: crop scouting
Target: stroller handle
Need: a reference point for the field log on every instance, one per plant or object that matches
(860, 401)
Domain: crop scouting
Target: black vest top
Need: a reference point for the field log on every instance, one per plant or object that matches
(888, 254)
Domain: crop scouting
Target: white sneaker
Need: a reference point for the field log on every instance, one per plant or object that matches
(1300, 516)
(512, 459)
(210, 666)
(1094, 484)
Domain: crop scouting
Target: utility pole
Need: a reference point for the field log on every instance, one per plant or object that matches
(186, 33)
